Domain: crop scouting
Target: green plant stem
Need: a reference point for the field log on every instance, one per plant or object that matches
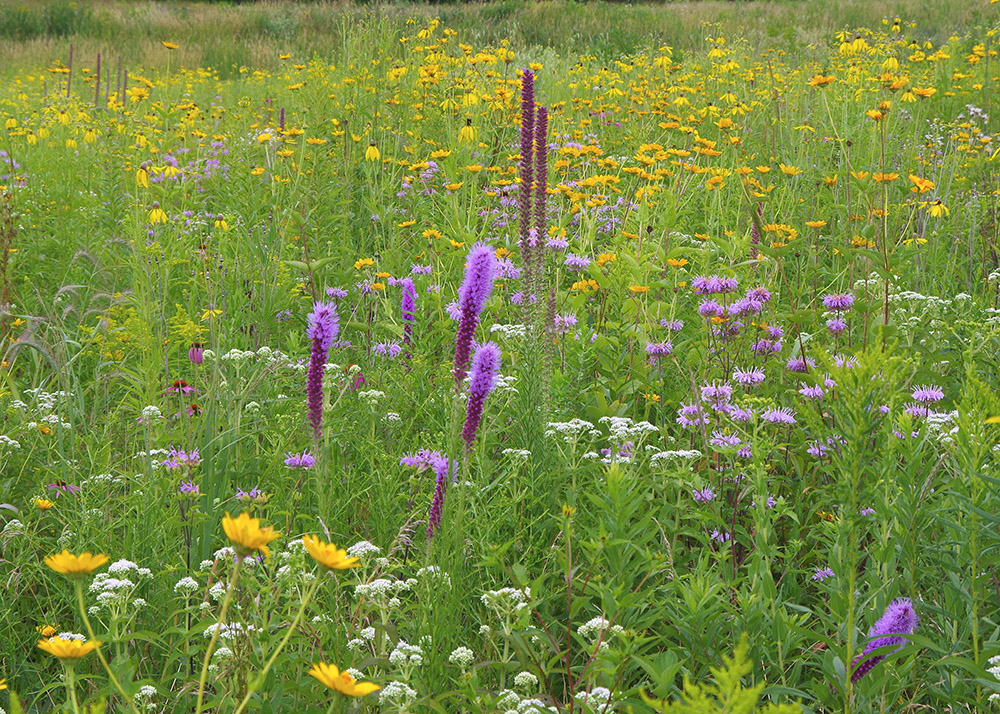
(215, 634)
(274, 655)
(71, 688)
(78, 585)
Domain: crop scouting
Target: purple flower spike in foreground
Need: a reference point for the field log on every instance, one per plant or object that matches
(408, 308)
(485, 366)
(437, 504)
(472, 296)
(324, 326)
(899, 619)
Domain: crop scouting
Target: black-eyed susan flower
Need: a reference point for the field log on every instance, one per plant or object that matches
(75, 565)
(342, 682)
(328, 555)
(247, 535)
(69, 648)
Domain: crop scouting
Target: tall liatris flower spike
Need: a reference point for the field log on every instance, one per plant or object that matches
(472, 296)
(526, 163)
(323, 328)
(408, 308)
(247, 535)
(899, 619)
(75, 565)
(437, 503)
(342, 682)
(482, 380)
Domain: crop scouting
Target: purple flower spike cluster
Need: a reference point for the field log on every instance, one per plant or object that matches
(533, 172)
(408, 309)
(324, 326)
(485, 366)
(899, 619)
(472, 296)
(437, 503)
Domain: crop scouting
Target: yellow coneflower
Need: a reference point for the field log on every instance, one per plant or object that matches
(75, 565)
(372, 153)
(67, 649)
(246, 534)
(157, 214)
(342, 682)
(467, 133)
(328, 555)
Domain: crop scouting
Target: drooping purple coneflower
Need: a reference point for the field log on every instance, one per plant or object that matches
(197, 353)
(472, 296)
(323, 328)
(482, 380)
(408, 308)
(899, 619)
(527, 161)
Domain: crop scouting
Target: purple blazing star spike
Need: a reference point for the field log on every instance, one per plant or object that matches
(305, 460)
(526, 163)
(541, 151)
(899, 619)
(408, 308)
(437, 504)
(482, 380)
(472, 296)
(324, 327)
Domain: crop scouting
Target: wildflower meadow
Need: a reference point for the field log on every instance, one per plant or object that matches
(508, 358)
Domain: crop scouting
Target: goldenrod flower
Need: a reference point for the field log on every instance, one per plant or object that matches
(329, 555)
(342, 682)
(69, 564)
(67, 649)
(247, 535)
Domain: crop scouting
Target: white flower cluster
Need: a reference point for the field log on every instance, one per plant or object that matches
(572, 430)
(598, 627)
(143, 698)
(230, 630)
(505, 384)
(432, 574)
(506, 602)
(187, 586)
(596, 699)
(13, 527)
(371, 396)
(517, 454)
(363, 548)
(462, 657)
(994, 669)
(151, 414)
(367, 635)
(623, 428)
(679, 455)
(383, 592)
(397, 694)
(525, 680)
(9, 443)
(517, 331)
(406, 656)
(116, 587)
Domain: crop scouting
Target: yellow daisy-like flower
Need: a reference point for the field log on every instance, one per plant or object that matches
(67, 649)
(329, 555)
(43, 504)
(46, 630)
(342, 682)
(69, 564)
(247, 535)
(170, 45)
(3, 683)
